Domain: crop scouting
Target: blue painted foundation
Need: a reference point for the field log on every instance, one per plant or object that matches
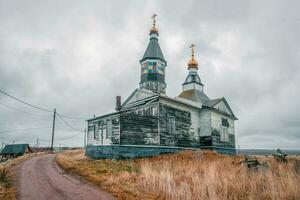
(137, 151)
(128, 151)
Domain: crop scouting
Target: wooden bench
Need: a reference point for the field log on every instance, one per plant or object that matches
(253, 163)
(279, 156)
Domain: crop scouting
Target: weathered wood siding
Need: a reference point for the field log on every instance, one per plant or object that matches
(140, 125)
(163, 122)
(204, 122)
(104, 130)
(182, 136)
(217, 128)
(195, 123)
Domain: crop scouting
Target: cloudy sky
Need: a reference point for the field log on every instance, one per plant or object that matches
(76, 56)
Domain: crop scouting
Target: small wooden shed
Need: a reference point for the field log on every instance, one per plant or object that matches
(15, 150)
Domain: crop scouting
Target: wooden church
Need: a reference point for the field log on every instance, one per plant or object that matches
(150, 122)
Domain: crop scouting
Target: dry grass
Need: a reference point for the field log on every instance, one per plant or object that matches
(187, 175)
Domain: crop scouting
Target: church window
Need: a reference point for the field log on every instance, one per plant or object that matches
(225, 122)
(140, 112)
(96, 132)
(152, 67)
(91, 131)
(153, 110)
(224, 134)
(109, 129)
(171, 125)
(104, 131)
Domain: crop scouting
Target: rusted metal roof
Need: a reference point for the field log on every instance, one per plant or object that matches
(195, 95)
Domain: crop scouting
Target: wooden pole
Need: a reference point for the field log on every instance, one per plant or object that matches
(53, 127)
(84, 145)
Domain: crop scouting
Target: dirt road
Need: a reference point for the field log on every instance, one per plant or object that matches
(39, 178)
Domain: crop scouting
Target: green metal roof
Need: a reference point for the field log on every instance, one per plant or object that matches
(153, 51)
(15, 149)
(192, 78)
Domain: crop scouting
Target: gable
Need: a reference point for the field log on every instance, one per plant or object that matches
(137, 95)
(224, 107)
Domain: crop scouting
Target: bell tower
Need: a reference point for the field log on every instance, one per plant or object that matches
(192, 81)
(153, 64)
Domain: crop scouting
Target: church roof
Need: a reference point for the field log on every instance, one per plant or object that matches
(195, 95)
(192, 78)
(214, 101)
(153, 51)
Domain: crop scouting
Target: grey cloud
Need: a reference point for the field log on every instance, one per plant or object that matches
(76, 56)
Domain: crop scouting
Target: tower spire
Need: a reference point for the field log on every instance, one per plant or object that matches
(193, 63)
(153, 63)
(192, 46)
(154, 29)
(193, 80)
(154, 20)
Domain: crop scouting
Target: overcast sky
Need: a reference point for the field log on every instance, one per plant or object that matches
(77, 56)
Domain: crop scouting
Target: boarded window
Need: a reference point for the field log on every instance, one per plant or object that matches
(225, 122)
(96, 132)
(91, 129)
(104, 131)
(153, 110)
(171, 124)
(109, 129)
(224, 134)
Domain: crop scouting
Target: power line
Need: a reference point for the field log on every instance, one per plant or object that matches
(37, 107)
(29, 129)
(13, 108)
(43, 109)
(59, 116)
(26, 129)
(76, 118)
(66, 138)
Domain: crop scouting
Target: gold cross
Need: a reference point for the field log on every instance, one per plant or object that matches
(192, 46)
(154, 20)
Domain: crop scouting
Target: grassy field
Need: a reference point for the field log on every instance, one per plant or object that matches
(187, 175)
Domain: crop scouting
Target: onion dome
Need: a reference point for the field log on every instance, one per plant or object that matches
(193, 63)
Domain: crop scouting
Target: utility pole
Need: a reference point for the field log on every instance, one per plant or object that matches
(37, 143)
(53, 127)
(84, 145)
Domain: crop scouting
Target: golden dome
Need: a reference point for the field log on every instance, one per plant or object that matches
(193, 63)
(153, 30)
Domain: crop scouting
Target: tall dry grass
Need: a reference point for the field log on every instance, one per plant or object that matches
(187, 176)
(191, 176)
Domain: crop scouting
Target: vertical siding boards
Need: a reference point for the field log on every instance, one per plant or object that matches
(182, 136)
(112, 123)
(214, 139)
(139, 126)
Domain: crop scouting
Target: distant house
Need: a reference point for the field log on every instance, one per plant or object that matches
(15, 150)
